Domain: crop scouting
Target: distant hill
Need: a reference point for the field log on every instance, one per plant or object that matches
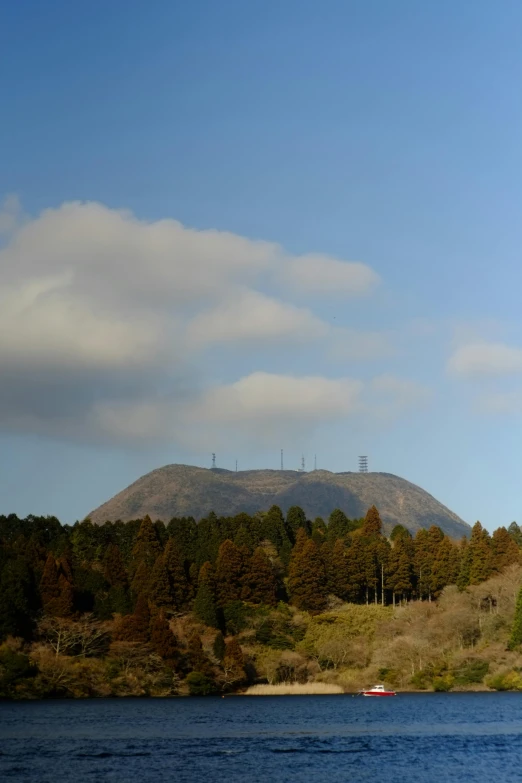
(183, 490)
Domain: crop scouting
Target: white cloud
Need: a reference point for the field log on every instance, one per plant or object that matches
(485, 359)
(106, 322)
(318, 274)
(250, 315)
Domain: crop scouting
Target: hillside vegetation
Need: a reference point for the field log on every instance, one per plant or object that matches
(232, 602)
(182, 490)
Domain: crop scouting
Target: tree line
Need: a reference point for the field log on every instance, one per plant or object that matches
(215, 566)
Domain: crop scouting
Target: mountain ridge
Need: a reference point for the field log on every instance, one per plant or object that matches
(186, 490)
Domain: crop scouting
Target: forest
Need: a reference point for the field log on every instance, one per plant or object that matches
(144, 608)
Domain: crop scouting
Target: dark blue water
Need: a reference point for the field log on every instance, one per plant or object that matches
(416, 737)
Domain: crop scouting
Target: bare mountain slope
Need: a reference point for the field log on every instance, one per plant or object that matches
(183, 490)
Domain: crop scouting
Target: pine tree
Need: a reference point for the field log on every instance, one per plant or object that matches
(162, 640)
(516, 629)
(445, 566)
(516, 533)
(147, 546)
(219, 646)
(259, 582)
(296, 518)
(338, 574)
(230, 569)
(198, 660)
(160, 592)
(400, 568)
(463, 578)
(179, 586)
(307, 581)
(56, 590)
(113, 568)
(243, 539)
(504, 550)
(355, 556)
(481, 566)
(205, 606)
(141, 620)
(372, 525)
(141, 582)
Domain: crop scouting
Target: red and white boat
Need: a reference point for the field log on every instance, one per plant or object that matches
(378, 690)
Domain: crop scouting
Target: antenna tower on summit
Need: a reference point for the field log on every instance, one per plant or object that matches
(302, 468)
(315, 461)
(282, 459)
(213, 461)
(363, 464)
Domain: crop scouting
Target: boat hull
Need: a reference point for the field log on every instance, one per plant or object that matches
(381, 693)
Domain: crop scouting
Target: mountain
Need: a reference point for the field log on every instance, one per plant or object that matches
(183, 490)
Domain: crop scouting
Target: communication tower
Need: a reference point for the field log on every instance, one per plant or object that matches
(302, 468)
(213, 461)
(363, 464)
(282, 459)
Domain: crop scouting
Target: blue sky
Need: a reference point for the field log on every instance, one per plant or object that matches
(240, 227)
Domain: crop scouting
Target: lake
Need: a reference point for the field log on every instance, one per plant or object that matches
(414, 737)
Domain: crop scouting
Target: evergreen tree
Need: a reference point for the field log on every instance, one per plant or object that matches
(259, 582)
(17, 599)
(400, 568)
(113, 567)
(355, 556)
(463, 578)
(160, 592)
(197, 658)
(516, 630)
(147, 546)
(219, 646)
(205, 606)
(230, 569)
(179, 586)
(56, 590)
(339, 582)
(319, 531)
(243, 539)
(445, 569)
(141, 582)
(162, 640)
(481, 566)
(141, 620)
(516, 533)
(372, 525)
(504, 549)
(296, 518)
(307, 582)
(399, 531)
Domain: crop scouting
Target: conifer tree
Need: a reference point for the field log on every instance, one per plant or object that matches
(230, 569)
(243, 539)
(198, 660)
(56, 590)
(463, 578)
(504, 549)
(205, 606)
(516, 533)
(162, 640)
(516, 629)
(179, 586)
(141, 582)
(141, 620)
(219, 646)
(113, 568)
(296, 518)
(356, 569)
(259, 581)
(445, 569)
(338, 574)
(307, 582)
(372, 525)
(147, 546)
(160, 592)
(481, 566)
